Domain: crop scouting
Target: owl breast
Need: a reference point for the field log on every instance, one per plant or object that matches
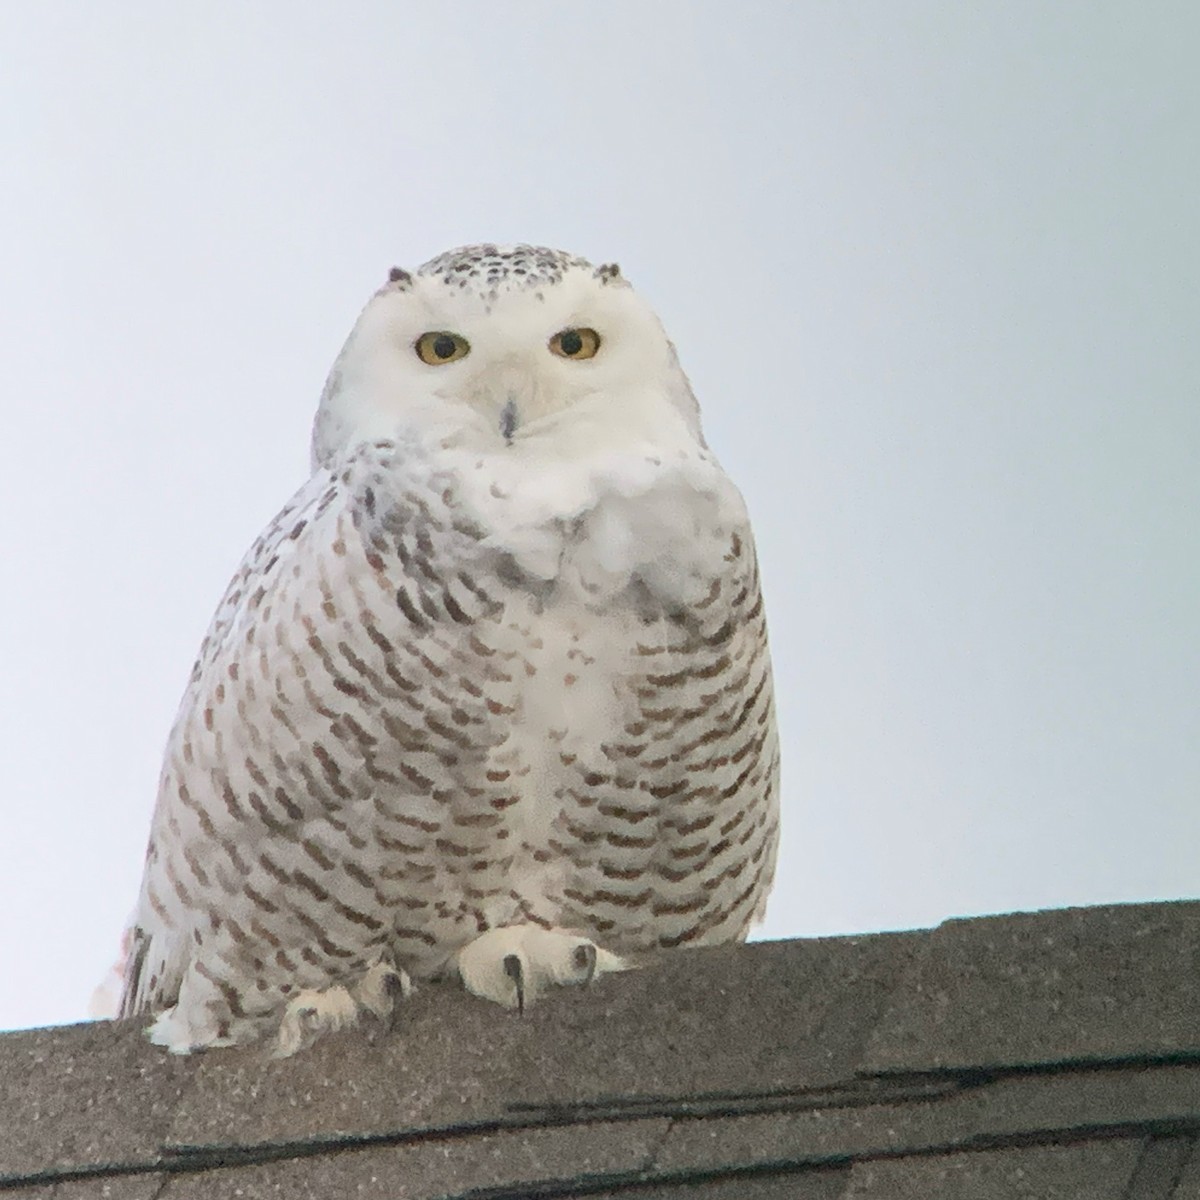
(637, 715)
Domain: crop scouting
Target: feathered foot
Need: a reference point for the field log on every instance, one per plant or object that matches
(315, 1012)
(515, 964)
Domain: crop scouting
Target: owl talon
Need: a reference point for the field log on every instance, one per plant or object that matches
(515, 972)
(399, 987)
(380, 990)
(584, 957)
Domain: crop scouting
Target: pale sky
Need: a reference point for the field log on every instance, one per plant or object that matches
(932, 267)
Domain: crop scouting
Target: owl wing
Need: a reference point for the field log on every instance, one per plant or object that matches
(270, 766)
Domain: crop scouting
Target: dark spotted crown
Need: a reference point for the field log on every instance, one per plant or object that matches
(490, 269)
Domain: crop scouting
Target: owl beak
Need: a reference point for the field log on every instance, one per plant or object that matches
(508, 419)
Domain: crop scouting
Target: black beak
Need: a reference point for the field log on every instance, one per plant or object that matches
(508, 420)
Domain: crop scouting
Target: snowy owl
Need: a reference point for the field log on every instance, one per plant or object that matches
(490, 698)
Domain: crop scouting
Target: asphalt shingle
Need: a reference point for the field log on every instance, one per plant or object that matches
(1188, 1187)
(1050, 1055)
(118, 1187)
(425, 1170)
(1091, 1171)
(807, 1185)
(694, 1025)
(1098, 984)
(84, 1096)
(1019, 1110)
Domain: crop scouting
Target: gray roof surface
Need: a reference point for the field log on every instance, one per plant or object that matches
(1049, 1055)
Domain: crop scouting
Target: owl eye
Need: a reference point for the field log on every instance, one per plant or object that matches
(575, 343)
(437, 348)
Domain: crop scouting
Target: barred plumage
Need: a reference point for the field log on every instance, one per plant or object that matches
(490, 695)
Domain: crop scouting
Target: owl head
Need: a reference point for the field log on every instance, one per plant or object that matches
(506, 348)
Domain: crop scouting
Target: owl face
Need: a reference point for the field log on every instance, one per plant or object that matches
(506, 346)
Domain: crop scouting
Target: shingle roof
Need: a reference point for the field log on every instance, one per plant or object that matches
(1052, 1054)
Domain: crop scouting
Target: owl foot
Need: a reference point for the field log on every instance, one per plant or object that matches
(319, 1011)
(381, 989)
(172, 1030)
(515, 964)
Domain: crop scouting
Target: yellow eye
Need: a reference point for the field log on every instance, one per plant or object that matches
(437, 348)
(575, 343)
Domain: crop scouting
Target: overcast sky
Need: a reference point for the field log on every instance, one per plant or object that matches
(932, 267)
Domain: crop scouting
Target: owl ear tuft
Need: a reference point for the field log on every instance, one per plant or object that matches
(398, 275)
(608, 272)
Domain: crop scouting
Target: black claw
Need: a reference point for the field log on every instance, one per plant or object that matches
(393, 985)
(512, 968)
(584, 956)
